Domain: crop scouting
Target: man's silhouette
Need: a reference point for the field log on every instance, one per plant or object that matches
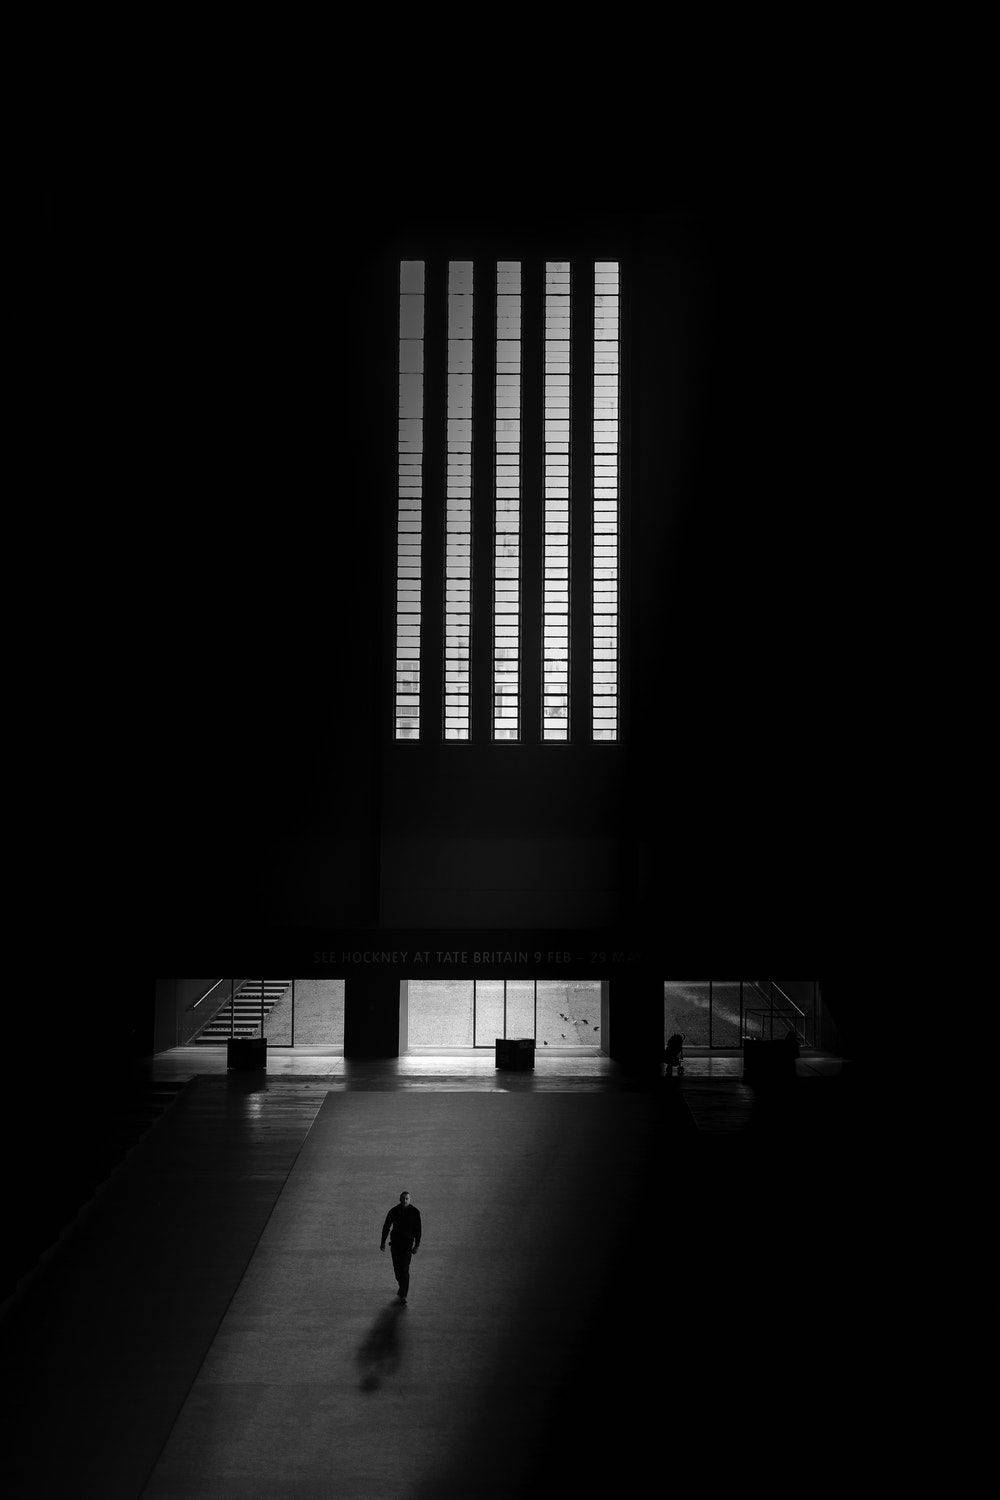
(402, 1224)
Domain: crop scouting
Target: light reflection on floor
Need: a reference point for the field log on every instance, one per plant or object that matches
(181, 1063)
(190, 1062)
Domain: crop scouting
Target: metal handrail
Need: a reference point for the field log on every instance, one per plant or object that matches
(770, 997)
(801, 1033)
(196, 1003)
(786, 996)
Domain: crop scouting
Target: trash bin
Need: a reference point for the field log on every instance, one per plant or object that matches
(246, 1054)
(516, 1053)
(767, 1062)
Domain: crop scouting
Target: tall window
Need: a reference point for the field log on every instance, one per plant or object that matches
(605, 626)
(507, 515)
(410, 463)
(467, 435)
(555, 615)
(458, 519)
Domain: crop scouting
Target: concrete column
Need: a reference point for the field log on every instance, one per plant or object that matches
(371, 1016)
(635, 1022)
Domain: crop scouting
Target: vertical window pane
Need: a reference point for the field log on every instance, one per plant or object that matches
(520, 1007)
(507, 505)
(569, 1013)
(489, 1011)
(439, 1013)
(410, 473)
(604, 716)
(555, 612)
(685, 1010)
(726, 1013)
(458, 504)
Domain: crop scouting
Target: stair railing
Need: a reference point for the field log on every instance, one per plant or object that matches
(221, 1000)
(772, 1010)
(235, 988)
(195, 1004)
(217, 999)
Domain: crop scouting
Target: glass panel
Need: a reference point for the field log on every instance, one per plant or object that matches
(489, 1011)
(685, 1009)
(772, 1008)
(411, 276)
(520, 1008)
(726, 1013)
(439, 1013)
(216, 1015)
(254, 1005)
(794, 995)
(319, 1012)
(278, 1026)
(569, 1013)
(756, 1014)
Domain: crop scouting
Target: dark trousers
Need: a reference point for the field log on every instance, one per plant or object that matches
(401, 1266)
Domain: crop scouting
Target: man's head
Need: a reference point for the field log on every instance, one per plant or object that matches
(404, 1199)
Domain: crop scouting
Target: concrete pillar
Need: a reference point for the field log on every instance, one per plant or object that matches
(635, 1021)
(371, 1016)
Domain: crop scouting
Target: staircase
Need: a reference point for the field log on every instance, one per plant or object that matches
(769, 1012)
(246, 1004)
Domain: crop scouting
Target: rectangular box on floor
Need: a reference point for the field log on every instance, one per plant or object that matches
(516, 1053)
(246, 1054)
(767, 1062)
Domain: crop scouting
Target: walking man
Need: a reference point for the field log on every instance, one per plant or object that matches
(402, 1224)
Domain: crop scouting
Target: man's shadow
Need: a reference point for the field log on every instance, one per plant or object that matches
(380, 1353)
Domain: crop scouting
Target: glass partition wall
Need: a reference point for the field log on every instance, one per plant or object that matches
(288, 1012)
(723, 1013)
(473, 1013)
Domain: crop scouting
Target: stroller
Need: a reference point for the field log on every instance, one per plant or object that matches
(673, 1054)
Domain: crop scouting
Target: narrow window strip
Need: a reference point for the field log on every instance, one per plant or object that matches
(410, 441)
(606, 407)
(556, 459)
(507, 505)
(458, 504)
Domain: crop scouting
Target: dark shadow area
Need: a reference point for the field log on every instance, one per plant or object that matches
(724, 1310)
(88, 1126)
(800, 1114)
(379, 1355)
(100, 1350)
(551, 1436)
(674, 1111)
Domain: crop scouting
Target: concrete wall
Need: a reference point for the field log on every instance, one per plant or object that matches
(715, 829)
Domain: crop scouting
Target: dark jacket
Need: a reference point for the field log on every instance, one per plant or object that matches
(405, 1226)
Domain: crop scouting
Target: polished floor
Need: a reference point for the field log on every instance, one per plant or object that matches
(220, 1322)
(473, 1068)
